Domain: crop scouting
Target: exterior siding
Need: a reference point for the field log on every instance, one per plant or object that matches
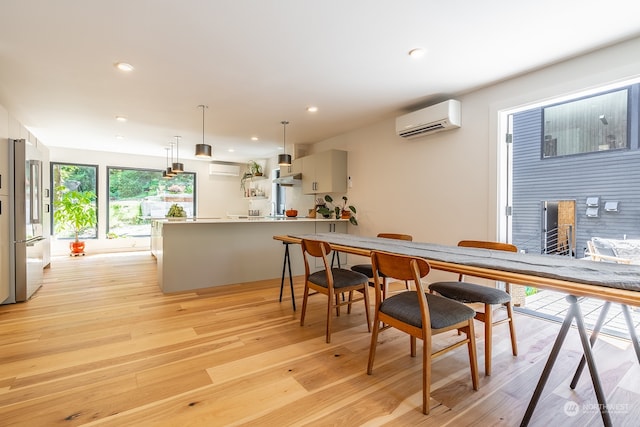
(612, 175)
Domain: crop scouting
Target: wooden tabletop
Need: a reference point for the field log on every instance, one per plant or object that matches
(583, 278)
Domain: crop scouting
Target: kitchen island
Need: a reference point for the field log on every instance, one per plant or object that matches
(205, 252)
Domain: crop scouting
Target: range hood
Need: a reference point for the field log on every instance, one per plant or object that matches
(289, 181)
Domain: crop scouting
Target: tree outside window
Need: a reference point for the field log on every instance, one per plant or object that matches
(137, 196)
(67, 177)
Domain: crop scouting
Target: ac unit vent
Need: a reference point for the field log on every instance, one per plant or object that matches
(436, 118)
(224, 169)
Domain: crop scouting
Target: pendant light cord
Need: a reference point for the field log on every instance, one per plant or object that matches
(284, 136)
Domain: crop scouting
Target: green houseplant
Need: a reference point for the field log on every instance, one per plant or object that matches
(176, 212)
(255, 168)
(74, 212)
(341, 209)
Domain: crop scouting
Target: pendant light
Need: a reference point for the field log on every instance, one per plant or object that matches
(284, 159)
(168, 173)
(203, 150)
(177, 167)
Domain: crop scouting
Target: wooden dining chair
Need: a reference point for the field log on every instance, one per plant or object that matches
(467, 292)
(367, 270)
(332, 282)
(419, 314)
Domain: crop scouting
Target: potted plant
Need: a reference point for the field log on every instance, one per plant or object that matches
(255, 168)
(75, 211)
(176, 213)
(341, 210)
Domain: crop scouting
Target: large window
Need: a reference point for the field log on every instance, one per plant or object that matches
(67, 177)
(136, 196)
(586, 125)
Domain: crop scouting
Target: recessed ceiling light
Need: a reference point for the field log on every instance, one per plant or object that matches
(123, 66)
(254, 138)
(312, 109)
(416, 53)
(121, 118)
(119, 137)
(231, 150)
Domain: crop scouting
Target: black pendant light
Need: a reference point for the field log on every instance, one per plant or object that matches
(203, 150)
(168, 173)
(284, 159)
(177, 167)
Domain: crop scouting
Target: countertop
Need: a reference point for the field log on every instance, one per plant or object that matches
(244, 218)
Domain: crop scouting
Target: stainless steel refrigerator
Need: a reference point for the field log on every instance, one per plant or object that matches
(26, 219)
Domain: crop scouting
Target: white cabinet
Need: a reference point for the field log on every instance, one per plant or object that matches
(325, 172)
(4, 248)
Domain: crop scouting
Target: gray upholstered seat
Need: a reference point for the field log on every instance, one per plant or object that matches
(341, 278)
(471, 292)
(443, 312)
(364, 269)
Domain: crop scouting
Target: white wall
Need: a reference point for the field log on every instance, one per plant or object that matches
(444, 187)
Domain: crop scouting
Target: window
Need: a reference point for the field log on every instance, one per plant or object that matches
(72, 177)
(138, 195)
(586, 125)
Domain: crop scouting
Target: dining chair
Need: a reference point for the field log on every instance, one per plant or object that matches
(467, 292)
(367, 270)
(331, 282)
(419, 314)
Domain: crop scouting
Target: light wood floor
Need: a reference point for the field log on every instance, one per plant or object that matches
(99, 344)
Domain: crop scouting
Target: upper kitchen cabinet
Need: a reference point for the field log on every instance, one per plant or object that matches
(325, 172)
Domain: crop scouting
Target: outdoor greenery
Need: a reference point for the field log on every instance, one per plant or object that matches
(134, 195)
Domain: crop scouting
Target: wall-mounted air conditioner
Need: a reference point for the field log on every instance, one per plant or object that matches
(226, 169)
(436, 118)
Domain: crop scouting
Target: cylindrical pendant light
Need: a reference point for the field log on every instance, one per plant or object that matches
(167, 174)
(177, 167)
(203, 150)
(284, 159)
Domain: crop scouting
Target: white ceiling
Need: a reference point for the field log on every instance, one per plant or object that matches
(258, 62)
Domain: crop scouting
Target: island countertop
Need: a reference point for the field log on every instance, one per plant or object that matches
(206, 252)
(246, 218)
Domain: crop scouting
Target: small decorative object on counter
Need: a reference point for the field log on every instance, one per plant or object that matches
(176, 213)
(292, 213)
(341, 211)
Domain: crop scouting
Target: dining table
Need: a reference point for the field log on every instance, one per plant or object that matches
(577, 278)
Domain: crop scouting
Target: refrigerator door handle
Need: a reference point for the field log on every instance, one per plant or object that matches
(32, 241)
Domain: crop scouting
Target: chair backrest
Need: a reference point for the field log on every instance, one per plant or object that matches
(396, 236)
(482, 244)
(316, 249)
(498, 246)
(401, 267)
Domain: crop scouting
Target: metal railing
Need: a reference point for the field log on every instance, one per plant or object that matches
(559, 241)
